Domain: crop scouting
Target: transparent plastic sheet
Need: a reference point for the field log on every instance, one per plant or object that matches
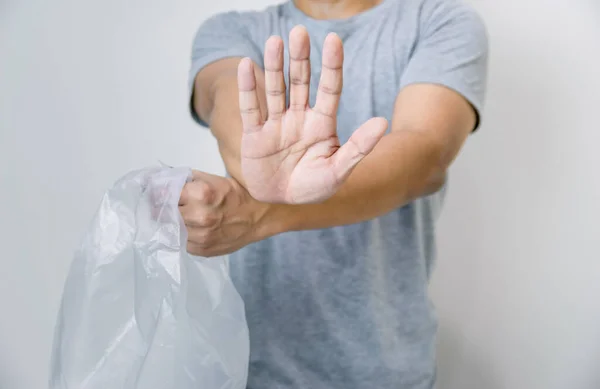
(137, 311)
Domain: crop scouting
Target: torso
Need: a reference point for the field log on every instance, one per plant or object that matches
(345, 307)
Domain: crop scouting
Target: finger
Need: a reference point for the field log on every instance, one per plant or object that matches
(198, 217)
(212, 250)
(330, 84)
(197, 250)
(186, 196)
(274, 80)
(199, 191)
(361, 143)
(198, 175)
(201, 241)
(249, 107)
(299, 68)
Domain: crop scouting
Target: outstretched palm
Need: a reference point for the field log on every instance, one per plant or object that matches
(295, 155)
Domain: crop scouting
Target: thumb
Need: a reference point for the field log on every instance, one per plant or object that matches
(360, 144)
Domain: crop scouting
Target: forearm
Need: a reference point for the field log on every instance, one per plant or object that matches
(404, 166)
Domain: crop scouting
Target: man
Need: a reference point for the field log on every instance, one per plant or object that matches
(332, 193)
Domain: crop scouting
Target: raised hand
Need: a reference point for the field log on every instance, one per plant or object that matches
(295, 155)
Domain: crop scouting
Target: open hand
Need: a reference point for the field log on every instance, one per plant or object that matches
(295, 155)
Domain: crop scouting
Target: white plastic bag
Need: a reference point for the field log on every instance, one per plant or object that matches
(138, 312)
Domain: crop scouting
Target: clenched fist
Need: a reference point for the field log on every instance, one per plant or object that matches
(220, 215)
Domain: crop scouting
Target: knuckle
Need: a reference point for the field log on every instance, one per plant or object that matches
(329, 89)
(204, 192)
(274, 92)
(250, 111)
(185, 193)
(298, 80)
(296, 106)
(275, 114)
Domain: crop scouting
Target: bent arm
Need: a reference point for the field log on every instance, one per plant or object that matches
(216, 101)
(429, 126)
(433, 116)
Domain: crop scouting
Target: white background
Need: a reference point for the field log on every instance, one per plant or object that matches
(91, 90)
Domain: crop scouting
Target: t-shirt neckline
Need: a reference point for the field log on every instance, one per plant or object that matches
(335, 25)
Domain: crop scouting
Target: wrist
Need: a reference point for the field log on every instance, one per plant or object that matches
(274, 219)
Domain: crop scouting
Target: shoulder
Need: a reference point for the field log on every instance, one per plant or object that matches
(457, 14)
(250, 19)
(253, 26)
(437, 19)
(452, 26)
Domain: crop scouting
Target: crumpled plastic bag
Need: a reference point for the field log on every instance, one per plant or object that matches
(139, 312)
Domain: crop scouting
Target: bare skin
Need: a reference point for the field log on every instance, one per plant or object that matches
(281, 154)
(295, 155)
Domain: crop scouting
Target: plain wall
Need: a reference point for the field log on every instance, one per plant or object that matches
(91, 90)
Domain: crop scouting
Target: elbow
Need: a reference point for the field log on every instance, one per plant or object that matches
(432, 174)
(427, 185)
(435, 182)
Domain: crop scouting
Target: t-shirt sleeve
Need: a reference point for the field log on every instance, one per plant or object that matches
(224, 35)
(452, 50)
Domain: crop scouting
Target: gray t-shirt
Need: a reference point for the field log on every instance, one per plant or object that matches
(348, 307)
